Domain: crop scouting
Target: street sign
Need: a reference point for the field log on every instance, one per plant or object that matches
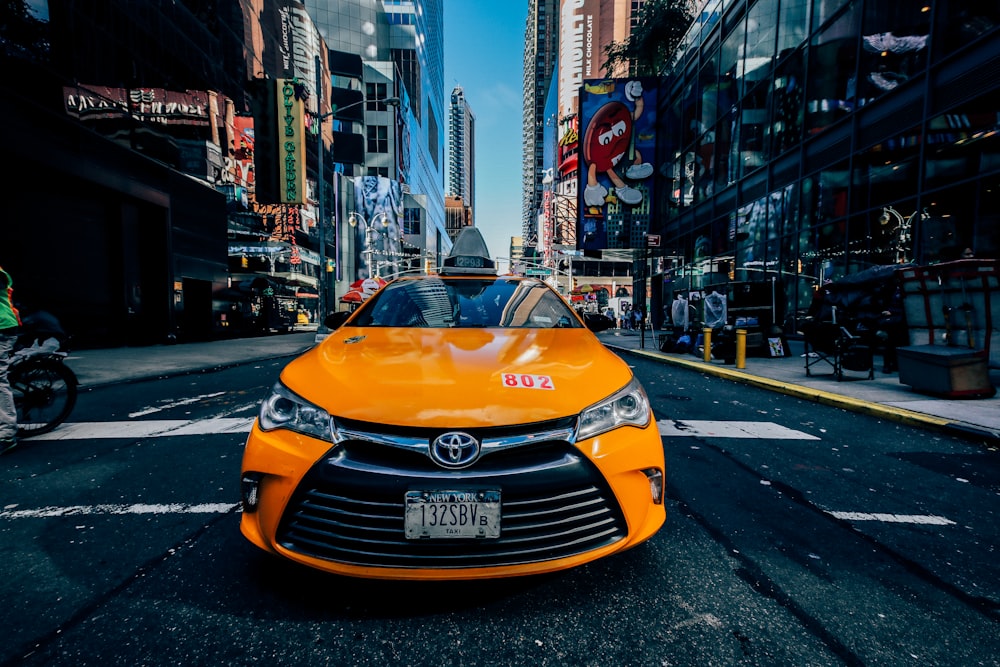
(538, 272)
(652, 240)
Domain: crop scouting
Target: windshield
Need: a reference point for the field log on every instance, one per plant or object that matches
(441, 302)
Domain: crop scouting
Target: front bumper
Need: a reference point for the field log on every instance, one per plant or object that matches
(341, 509)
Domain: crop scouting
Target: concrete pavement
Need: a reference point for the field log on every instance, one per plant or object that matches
(884, 396)
(95, 368)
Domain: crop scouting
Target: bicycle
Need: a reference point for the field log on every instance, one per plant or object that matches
(44, 387)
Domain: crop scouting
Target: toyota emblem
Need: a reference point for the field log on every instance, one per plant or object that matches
(454, 450)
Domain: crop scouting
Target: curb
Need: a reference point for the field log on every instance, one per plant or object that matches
(900, 415)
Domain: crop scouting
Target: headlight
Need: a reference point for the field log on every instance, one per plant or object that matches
(284, 409)
(627, 407)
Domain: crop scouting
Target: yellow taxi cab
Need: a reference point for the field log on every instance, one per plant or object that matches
(457, 425)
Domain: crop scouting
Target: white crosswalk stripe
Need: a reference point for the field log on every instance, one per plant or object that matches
(148, 429)
(80, 510)
(730, 429)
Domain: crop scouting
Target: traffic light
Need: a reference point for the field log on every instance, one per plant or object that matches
(329, 266)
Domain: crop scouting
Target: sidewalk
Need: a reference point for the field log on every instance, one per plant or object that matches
(95, 368)
(884, 396)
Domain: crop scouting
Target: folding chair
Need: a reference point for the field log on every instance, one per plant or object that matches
(821, 344)
(834, 344)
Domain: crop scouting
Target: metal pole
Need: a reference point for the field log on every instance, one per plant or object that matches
(319, 193)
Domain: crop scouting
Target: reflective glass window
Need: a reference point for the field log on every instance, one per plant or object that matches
(831, 87)
(891, 231)
(760, 41)
(962, 22)
(964, 142)
(945, 224)
(894, 45)
(788, 100)
(824, 9)
(731, 55)
(831, 193)
(887, 172)
(793, 25)
(986, 235)
(752, 130)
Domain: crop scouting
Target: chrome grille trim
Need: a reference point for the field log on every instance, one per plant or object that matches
(422, 444)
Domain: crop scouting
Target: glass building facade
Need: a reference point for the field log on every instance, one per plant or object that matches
(804, 140)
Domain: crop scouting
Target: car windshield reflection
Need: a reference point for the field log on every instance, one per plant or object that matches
(441, 302)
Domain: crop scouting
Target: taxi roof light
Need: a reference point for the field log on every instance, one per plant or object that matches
(469, 255)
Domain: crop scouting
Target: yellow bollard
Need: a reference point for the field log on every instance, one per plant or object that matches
(741, 348)
(706, 337)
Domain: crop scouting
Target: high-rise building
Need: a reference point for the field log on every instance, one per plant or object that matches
(541, 49)
(456, 214)
(462, 150)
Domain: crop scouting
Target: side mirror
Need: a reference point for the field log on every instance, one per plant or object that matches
(336, 320)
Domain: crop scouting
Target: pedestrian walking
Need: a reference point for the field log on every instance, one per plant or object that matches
(10, 324)
(637, 318)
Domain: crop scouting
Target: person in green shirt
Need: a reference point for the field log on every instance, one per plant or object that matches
(10, 323)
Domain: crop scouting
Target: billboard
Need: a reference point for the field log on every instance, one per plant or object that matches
(616, 173)
(378, 227)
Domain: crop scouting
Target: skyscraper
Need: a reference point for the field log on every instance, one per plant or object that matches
(462, 150)
(541, 49)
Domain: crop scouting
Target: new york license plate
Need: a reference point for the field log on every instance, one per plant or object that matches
(452, 514)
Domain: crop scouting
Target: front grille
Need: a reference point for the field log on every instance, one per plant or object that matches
(554, 504)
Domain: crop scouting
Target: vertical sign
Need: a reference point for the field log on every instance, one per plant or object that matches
(291, 141)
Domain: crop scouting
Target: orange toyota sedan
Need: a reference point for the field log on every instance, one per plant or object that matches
(457, 425)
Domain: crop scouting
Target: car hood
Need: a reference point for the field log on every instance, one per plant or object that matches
(456, 377)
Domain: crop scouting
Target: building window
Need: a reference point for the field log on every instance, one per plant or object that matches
(379, 171)
(411, 220)
(378, 139)
(375, 94)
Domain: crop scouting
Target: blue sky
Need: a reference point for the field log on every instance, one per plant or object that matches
(483, 53)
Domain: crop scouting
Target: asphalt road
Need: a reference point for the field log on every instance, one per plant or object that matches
(797, 534)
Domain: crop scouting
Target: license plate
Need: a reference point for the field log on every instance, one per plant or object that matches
(452, 514)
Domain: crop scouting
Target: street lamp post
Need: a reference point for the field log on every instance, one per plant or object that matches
(371, 233)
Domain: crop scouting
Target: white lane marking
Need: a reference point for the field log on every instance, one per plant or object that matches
(928, 519)
(148, 429)
(166, 406)
(78, 510)
(730, 429)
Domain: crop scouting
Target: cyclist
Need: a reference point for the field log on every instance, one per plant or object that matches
(10, 324)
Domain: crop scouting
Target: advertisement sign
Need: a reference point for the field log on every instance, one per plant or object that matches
(617, 149)
(377, 220)
(291, 141)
